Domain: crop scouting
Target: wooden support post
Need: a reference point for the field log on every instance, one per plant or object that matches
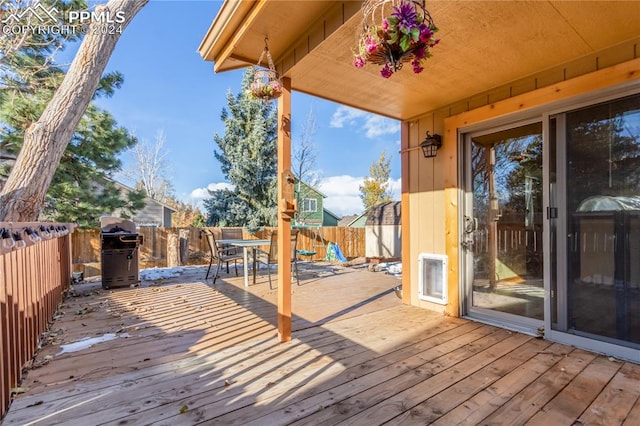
(284, 221)
(405, 221)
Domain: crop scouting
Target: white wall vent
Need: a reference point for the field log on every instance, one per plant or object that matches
(432, 277)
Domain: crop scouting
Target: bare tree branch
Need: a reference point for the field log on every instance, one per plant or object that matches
(151, 169)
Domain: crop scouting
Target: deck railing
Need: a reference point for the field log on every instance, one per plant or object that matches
(35, 270)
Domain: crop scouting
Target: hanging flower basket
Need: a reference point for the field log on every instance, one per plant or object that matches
(266, 85)
(395, 32)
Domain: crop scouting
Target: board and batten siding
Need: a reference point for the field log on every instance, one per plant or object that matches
(151, 213)
(383, 241)
(433, 187)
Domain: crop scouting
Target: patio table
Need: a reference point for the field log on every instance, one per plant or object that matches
(246, 244)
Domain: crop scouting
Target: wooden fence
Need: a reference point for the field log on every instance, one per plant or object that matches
(161, 245)
(33, 277)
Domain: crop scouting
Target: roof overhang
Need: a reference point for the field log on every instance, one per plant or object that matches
(484, 44)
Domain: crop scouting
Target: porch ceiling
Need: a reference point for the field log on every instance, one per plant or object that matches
(484, 44)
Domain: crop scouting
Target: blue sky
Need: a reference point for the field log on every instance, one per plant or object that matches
(168, 87)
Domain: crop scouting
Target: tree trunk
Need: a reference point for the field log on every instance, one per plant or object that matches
(23, 194)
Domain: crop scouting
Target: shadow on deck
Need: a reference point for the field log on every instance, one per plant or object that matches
(187, 352)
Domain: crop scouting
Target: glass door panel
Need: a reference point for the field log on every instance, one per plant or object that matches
(504, 225)
(603, 221)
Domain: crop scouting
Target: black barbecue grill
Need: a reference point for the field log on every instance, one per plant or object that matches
(119, 254)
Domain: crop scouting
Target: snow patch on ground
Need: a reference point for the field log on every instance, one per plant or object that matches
(391, 268)
(88, 342)
(153, 274)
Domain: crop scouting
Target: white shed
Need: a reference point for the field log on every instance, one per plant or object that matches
(382, 231)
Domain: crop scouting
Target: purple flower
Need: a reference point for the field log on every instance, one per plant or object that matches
(406, 15)
(417, 68)
(386, 71)
(359, 62)
(420, 53)
(425, 33)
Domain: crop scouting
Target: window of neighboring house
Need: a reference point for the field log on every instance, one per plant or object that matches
(309, 205)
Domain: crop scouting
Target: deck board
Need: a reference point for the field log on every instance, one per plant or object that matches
(577, 395)
(203, 354)
(633, 418)
(440, 375)
(616, 400)
(476, 408)
(442, 402)
(529, 401)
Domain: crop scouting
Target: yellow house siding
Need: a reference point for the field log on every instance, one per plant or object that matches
(433, 183)
(427, 181)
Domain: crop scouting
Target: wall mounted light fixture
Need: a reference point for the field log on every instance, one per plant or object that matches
(430, 145)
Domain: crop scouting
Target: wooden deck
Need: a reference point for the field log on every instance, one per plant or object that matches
(202, 354)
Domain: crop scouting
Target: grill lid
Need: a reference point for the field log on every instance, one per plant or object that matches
(112, 225)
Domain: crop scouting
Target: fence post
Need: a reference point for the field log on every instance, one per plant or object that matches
(184, 246)
(173, 249)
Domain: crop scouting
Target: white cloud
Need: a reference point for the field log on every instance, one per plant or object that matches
(343, 193)
(373, 125)
(341, 185)
(344, 114)
(376, 125)
(395, 188)
(200, 194)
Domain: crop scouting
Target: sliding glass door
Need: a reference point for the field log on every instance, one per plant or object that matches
(596, 292)
(557, 246)
(503, 226)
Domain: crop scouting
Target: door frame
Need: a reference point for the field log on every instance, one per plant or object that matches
(559, 334)
(509, 321)
(564, 102)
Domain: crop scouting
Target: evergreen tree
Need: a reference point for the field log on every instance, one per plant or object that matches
(247, 156)
(44, 140)
(80, 189)
(24, 70)
(375, 188)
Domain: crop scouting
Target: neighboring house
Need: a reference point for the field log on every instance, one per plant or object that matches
(383, 236)
(329, 218)
(537, 112)
(358, 221)
(310, 207)
(346, 220)
(154, 213)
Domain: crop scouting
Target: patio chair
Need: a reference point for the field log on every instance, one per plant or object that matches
(231, 234)
(271, 257)
(220, 255)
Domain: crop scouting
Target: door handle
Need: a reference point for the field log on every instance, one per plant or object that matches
(470, 224)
